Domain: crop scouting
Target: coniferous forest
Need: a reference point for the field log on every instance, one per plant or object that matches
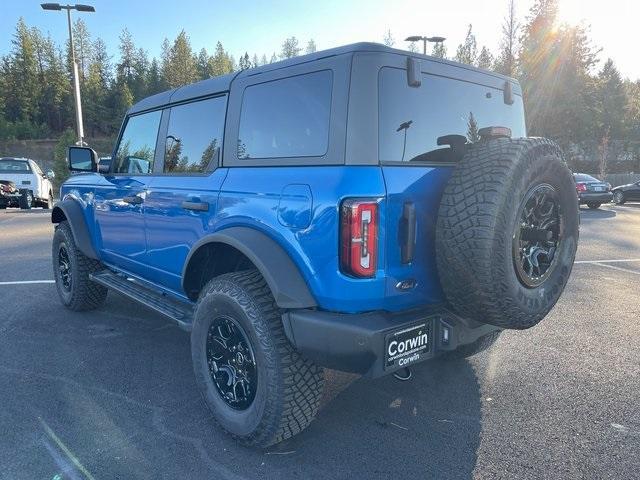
(571, 94)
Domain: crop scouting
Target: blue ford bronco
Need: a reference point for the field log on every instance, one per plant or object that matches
(360, 209)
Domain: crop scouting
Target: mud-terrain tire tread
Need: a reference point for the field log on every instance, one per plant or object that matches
(474, 210)
(293, 393)
(85, 295)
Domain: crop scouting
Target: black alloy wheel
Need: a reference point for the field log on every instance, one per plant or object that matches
(232, 363)
(537, 235)
(64, 267)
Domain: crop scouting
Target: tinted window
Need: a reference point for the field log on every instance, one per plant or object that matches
(14, 166)
(412, 119)
(286, 118)
(194, 135)
(583, 177)
(138, 144)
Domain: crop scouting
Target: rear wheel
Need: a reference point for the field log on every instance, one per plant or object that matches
(256, 385)
(26, 199)
(593, 206)
(618, 197)
(507, 232)
(71, 270)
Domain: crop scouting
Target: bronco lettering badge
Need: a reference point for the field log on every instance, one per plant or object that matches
(406, 346)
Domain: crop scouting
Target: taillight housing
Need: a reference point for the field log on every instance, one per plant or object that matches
(581, 187)
(359, 237)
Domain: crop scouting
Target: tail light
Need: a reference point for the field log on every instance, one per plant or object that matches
(359, 237)
(581, 187)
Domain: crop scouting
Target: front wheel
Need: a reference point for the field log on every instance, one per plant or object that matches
(71, 270)
(618, 197)
(593, 206)
(255, 383)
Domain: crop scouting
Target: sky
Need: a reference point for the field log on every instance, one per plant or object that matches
(261, 26)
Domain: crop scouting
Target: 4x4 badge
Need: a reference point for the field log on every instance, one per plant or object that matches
(407, 284)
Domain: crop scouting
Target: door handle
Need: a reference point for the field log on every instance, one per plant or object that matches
(197, 206)
(408, 232)
(134, 199)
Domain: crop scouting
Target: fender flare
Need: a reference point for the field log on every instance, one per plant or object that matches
(283, 277)
(71, 211)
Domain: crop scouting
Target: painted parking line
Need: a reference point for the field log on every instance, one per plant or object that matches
(620, 269)
(622, 260)
(27, 282)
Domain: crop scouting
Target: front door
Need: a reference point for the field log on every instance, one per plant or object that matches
(120, 199)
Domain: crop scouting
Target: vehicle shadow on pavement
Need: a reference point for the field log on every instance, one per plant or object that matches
(428, 427)
(116, 388)
(588, 214)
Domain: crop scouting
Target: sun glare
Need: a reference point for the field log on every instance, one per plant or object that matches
(573, 11)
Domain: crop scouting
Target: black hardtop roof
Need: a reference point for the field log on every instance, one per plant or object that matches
(221, 84)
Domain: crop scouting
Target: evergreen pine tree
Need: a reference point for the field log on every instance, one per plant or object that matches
(468, 50)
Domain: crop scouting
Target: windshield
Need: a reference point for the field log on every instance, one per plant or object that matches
(413, 119)
(583, 177)
(14, 166)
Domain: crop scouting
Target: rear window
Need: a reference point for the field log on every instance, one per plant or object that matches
(583, 177)
(412, 119)
(14, 166)
(286, 118)
(194, 135)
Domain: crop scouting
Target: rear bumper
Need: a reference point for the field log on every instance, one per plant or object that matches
(603, 197)
(356, 343)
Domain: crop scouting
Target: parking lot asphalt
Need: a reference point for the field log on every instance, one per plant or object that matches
(110, 394)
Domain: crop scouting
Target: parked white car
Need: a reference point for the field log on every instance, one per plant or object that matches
(34, 185)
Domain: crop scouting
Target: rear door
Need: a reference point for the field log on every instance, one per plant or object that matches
(633, 193)
(422, 132)
(182, 203)
(119, 200)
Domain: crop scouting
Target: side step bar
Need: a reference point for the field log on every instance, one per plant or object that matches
(179, 312)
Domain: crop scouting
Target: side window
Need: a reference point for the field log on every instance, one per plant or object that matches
(286, 118)
(36, 169)
(194, 135)
(138, 144)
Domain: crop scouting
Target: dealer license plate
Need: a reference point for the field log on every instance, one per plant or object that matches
(407, 346)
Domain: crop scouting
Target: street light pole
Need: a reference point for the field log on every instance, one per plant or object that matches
(76, 84)
(425, 39)
(74, 65)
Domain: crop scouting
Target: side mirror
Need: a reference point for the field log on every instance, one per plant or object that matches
(82, 159)
(50, 174)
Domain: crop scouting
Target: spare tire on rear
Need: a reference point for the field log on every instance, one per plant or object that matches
(507, 232)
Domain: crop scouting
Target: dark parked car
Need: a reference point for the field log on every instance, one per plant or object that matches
(11, 196)
(591, 191)
(625, 193)
(323, 211)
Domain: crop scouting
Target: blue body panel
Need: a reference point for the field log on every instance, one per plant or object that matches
(294, 201)
(298, 207)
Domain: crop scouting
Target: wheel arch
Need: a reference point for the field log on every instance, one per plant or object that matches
(70, 210)
(283, 277)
